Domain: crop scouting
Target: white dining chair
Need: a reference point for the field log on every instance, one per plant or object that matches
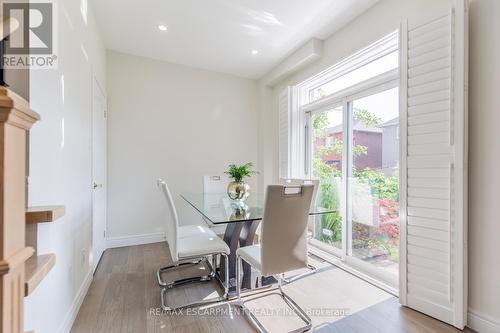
(310, 224)
(195, 246)
(283, 245)
(189, 230)
(298, 181)
(215, 184)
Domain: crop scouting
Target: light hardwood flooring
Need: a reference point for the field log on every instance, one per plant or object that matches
(124, 297)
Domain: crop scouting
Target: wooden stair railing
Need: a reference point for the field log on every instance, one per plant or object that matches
(16, 119)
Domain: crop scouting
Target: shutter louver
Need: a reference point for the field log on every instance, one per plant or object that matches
(435, 129)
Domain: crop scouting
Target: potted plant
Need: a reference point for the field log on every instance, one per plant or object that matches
(238, 189)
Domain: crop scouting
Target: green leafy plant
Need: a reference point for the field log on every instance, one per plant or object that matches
(238, 173)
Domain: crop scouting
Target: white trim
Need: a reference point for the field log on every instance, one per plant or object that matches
(460, 141)
(96, 251)
(370, 86)
(135, 240)
(284, 138)
(480, 322)
(296, 147)
(70, 317)
(374, 51)
(347, 163)
(403, 158)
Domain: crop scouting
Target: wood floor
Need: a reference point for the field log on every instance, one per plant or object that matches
(124, 297)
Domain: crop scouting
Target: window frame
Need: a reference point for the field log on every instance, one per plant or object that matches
(302, 142)
(378, 49)
(385, 81)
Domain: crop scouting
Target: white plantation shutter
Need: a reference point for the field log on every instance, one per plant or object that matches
(284, 133)
(434, 121)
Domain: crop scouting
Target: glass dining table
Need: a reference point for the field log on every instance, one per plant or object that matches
(241, 219)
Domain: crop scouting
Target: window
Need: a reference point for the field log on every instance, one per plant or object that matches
(379, 58)
(358, 177)
(352, 147)
(368, 71)
(374, 179)
(326, 165)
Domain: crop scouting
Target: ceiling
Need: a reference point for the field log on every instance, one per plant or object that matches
(219, 35)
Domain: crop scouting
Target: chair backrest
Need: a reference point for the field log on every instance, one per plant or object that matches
(215, 184)
(297, 181)
(170, 218)
(284, 228)
(314, 201)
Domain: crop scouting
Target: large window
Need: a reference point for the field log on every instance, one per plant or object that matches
(374, 179)
(326, 161)
(351, 138)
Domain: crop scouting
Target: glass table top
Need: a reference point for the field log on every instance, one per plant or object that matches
(219, 209)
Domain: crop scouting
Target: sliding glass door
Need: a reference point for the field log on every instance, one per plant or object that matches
(373, 185)
(352, 147)
(327, 128)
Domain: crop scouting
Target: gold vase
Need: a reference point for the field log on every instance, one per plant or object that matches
(238, 191)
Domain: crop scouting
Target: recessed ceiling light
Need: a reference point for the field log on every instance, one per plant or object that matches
(162, 27)
(255, 52)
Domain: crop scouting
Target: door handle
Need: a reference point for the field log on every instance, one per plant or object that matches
(96, 185)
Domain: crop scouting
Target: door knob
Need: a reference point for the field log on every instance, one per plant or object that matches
(96, 185)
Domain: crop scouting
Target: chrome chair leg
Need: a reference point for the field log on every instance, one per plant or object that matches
(214, 262)
(287, 299)
(165, 288)
(295, 307)
(162, 283)
(238, 285)
(312, 270)
(226, 275)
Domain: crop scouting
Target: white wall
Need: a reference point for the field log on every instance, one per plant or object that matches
(484, 158)
(484, 228)
(61, 167)
(173, 122)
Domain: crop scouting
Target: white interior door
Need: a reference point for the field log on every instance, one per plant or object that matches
(434, 149)
(98, 173)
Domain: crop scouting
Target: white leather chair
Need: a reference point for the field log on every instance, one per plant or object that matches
(315, 182)
(283, 245)
(188, 230)
(310, 225)
(189, 246)
(215, 184)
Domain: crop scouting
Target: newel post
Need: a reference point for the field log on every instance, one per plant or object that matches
(16, 119)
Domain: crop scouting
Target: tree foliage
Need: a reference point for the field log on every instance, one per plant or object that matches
(367, 118)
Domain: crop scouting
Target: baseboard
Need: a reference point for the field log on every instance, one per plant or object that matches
(70, 317)
(482, 323)
(135, 240)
